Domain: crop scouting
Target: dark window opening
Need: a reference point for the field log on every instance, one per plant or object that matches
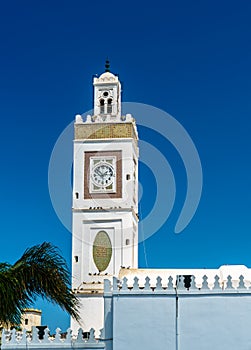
(127, 241)
(102, 106)
(109, 106)
(26, 321)
(76, 195)
(128, 176)
(76, 258)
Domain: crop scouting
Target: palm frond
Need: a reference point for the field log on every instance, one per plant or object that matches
(41, 271)
(12, 300)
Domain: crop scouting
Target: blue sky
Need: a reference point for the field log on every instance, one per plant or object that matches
(190, 59)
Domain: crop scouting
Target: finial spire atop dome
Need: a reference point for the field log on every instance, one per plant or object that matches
(107, 65)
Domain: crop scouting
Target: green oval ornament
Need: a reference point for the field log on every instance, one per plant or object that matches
(102, 251)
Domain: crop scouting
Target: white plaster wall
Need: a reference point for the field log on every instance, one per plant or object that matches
(33, 317)
(119, 226)
(235, 271)
(91, 313)
(120, 223)
(108, 81)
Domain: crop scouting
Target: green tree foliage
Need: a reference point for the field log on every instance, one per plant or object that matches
(41, 271)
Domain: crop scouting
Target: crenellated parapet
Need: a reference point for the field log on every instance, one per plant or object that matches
(13, 339)
(181, 284)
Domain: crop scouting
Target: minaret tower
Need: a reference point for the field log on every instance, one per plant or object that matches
(105, 198)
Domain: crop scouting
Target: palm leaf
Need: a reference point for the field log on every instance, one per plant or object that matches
(41, 271)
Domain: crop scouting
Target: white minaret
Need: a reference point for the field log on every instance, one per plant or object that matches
(105, 198)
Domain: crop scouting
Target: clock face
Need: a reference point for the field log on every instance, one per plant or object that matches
(103, 174)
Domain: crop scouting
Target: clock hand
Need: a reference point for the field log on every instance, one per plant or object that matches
(108, 171)
(99, 172)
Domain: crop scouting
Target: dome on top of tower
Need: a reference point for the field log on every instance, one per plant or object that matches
(108, 76)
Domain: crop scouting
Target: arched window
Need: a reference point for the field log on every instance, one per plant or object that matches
(102, 106)
(109, 106)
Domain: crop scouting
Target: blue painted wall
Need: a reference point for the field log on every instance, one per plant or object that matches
(144, 322)
(196, 319)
